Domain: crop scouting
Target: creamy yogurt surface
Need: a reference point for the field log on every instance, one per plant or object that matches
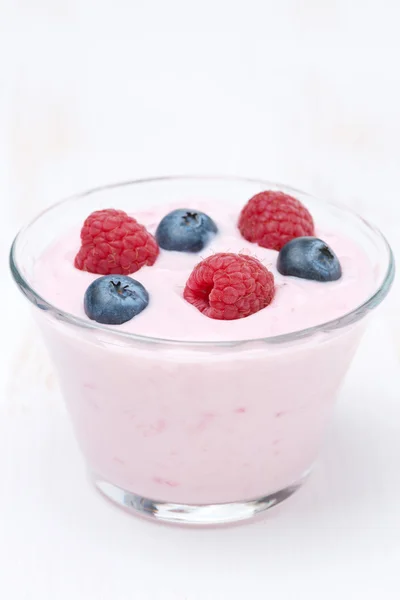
(298, 303)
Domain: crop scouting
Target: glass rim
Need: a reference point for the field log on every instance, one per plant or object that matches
(372, 301)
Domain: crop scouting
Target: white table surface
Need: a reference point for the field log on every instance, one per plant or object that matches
(338, 537)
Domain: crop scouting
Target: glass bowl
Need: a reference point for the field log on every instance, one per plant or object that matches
(197, 432)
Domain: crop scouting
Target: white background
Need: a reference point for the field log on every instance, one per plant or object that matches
(301, 91)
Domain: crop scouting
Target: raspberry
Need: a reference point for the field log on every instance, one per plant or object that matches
(229, 286)
(114, 243)
(271, 219)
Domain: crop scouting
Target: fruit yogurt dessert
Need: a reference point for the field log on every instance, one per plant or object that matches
(200, 343)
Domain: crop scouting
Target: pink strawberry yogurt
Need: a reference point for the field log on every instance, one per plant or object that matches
(205, 424)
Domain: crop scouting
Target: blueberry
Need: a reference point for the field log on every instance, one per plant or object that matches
(115, 299)
(185, 230)
(309, 258)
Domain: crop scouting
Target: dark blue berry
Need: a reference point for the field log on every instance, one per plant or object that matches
(115, 299)
(309, 258)
(185, 230)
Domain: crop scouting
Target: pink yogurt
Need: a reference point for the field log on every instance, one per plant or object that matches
(208, 423)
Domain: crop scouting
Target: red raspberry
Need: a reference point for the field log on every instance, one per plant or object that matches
(114, 243)
(229, 286)
(271, 219)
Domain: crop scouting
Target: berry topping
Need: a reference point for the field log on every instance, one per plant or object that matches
(271, 219)
(113, 242)
(115, 299)
(185, 230)
(229, 286)
(309, 258)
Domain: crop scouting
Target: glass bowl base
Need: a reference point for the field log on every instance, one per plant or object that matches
(193, 514)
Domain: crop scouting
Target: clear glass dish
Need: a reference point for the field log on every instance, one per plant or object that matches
(244, 436)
